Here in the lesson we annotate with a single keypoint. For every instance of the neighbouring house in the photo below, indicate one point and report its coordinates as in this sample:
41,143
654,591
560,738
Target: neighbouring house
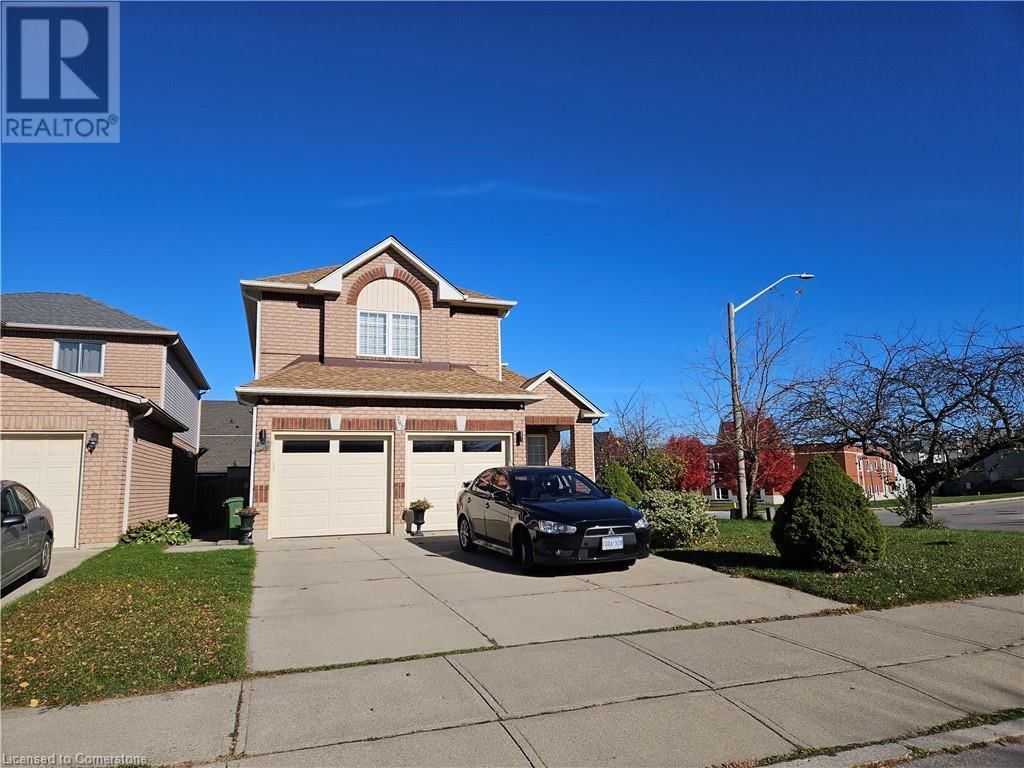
719,491
100,414
225,443
877,476
379,382
1002,471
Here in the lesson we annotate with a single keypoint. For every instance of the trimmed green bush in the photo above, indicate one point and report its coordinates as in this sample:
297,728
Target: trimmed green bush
826,521
158,531
622,486
678,518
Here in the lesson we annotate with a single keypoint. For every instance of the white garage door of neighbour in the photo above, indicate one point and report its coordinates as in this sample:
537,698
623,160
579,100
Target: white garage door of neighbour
50,467
436,468
329,487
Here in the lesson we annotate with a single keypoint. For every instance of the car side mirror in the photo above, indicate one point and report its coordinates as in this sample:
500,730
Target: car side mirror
15,519
607,491
466,484
501,496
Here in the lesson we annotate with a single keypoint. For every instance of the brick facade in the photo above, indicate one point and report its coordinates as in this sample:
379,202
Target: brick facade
131,363
325,326
30,402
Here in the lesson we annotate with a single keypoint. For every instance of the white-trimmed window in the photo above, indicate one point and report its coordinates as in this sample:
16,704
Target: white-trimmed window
721,494
83,358
389,320
537,450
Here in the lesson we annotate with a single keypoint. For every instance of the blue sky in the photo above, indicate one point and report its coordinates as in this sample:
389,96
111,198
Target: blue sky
620,170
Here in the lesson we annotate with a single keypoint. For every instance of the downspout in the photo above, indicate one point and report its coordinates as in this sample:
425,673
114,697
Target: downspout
128,465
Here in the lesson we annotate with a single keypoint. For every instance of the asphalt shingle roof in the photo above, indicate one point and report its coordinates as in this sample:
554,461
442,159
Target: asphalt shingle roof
69,309
226,434
385,378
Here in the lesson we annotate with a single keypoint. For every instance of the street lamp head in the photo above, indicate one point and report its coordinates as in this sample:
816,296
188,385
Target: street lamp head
805,276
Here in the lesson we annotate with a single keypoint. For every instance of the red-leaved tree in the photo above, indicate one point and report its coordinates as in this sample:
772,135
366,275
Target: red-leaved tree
770,466
692,455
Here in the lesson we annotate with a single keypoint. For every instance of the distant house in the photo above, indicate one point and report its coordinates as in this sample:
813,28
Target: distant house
225,449
100,414
877,476
992,475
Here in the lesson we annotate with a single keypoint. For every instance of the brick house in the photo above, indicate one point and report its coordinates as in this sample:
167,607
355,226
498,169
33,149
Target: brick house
99,416
877,476
378,382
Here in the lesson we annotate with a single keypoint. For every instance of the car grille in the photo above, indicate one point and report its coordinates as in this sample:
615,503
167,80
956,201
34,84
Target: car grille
609,530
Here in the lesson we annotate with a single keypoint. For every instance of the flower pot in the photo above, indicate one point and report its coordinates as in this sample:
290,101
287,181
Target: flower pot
418,517
245,527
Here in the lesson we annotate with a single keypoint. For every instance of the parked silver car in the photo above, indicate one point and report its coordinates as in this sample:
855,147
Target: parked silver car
26,546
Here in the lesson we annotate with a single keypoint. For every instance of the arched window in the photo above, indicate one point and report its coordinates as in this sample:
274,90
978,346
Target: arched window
389,320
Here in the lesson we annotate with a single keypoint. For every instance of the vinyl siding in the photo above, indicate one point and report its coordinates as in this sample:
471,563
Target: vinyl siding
181,399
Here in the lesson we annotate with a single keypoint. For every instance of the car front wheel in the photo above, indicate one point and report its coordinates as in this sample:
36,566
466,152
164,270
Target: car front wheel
524,554
466,536
45,556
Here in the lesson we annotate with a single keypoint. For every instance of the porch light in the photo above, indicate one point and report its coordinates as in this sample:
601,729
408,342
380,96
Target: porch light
519,438
92,442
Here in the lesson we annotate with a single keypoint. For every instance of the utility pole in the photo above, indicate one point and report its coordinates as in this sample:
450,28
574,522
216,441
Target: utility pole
737,406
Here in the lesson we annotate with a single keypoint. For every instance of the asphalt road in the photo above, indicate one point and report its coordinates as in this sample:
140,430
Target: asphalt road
995,756
996,515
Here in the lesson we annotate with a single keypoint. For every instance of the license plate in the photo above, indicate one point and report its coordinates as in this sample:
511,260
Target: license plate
611,542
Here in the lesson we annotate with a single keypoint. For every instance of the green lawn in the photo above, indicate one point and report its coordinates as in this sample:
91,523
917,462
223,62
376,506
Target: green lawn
128,621
919,565
881,503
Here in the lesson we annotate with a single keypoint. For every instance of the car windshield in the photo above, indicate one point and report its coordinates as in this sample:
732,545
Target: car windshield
553,486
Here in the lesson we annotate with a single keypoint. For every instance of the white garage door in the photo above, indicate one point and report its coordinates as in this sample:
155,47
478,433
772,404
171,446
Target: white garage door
50,467
437,466
329,486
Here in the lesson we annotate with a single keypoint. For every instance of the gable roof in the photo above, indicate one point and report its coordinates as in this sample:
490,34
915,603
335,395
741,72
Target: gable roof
74,312
94,386
350,378
71,310
226,434
328,279
529,384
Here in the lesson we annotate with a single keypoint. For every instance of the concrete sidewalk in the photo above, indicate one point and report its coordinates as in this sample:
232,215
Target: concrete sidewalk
675,698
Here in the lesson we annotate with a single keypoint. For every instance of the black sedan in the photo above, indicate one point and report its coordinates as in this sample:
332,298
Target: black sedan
549,516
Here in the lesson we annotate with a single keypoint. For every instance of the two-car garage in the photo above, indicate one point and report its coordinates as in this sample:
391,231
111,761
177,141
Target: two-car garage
329,484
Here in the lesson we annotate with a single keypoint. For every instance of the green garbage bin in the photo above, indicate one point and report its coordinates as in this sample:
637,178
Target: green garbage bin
234,522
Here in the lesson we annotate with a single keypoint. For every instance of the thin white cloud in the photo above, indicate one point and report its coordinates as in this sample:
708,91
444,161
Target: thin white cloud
480,189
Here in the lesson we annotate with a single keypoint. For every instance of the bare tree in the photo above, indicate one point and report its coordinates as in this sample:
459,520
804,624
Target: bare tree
642,432
934,407
769,364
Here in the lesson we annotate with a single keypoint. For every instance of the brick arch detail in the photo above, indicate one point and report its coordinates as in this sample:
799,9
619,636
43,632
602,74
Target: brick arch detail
402,275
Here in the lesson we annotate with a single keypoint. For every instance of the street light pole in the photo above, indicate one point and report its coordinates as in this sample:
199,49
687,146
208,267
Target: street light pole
737,407
737,413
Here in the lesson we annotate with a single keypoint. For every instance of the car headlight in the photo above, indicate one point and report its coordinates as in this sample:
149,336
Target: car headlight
641,523
547,526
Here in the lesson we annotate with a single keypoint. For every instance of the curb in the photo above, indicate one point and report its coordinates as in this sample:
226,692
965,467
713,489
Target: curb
905,749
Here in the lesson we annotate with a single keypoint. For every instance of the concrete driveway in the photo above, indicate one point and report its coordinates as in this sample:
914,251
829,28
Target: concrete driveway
331,601
63,561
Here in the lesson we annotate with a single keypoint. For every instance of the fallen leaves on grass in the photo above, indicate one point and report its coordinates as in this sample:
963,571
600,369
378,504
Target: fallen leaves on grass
93,634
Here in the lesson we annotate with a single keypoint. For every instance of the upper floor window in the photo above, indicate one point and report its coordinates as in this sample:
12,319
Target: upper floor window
84,358
389,320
